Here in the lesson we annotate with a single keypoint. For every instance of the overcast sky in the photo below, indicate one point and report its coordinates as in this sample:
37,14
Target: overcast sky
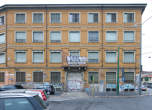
147,26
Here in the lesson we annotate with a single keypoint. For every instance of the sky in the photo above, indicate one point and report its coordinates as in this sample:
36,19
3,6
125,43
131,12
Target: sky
146,26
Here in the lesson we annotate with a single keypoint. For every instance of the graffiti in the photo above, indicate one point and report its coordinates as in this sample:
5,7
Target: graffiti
58,85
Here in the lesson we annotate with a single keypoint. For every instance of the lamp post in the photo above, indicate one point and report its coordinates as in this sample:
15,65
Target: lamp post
118,72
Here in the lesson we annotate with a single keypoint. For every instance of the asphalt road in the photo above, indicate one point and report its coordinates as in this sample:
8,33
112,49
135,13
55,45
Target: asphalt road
117,103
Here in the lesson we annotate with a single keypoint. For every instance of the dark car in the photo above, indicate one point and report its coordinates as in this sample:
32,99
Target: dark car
21,101
8,87
50,89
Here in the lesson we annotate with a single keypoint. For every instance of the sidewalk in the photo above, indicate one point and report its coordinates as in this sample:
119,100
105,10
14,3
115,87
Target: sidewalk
68,96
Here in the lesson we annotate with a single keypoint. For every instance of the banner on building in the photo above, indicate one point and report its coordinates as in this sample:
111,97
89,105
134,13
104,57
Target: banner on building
76,60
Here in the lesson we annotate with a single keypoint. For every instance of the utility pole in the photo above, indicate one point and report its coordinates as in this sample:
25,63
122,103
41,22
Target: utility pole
140,79
118,72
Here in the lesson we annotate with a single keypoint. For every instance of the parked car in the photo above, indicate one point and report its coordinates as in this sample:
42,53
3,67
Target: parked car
42,92
50,89
143,88
21,101
8,87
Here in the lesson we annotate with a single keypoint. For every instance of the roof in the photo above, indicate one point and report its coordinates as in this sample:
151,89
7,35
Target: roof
73,6
8,95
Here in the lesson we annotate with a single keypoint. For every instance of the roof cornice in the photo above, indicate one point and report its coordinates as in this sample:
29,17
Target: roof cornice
75,6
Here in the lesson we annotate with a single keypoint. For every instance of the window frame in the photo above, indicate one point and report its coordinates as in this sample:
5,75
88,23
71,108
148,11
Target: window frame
51,76
106,56
111,72
37,81
98,36
111,13
93,51
69,36
16,34
33,56
133,76
5,37
97,75
60,36
4,20
21,52
4,56
56,52
124,57
112,40
129,31
42,17
127,20
74,22
3,80
19,79
60,18
33,36
16,17
74,51
93,21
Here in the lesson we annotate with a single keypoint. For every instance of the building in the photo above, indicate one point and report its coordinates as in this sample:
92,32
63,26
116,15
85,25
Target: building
147,78
51,42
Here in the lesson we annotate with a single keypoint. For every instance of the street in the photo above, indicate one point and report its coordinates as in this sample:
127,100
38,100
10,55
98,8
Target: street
100,103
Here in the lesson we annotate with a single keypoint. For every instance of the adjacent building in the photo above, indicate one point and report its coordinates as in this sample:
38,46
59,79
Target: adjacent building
74,45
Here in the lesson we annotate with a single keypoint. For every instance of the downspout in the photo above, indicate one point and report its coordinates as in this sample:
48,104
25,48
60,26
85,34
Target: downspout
46,28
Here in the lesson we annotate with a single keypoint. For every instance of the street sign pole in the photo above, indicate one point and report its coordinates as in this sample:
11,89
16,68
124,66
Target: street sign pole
118,72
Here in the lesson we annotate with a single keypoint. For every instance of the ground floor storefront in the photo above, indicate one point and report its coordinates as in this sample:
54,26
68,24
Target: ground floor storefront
71,79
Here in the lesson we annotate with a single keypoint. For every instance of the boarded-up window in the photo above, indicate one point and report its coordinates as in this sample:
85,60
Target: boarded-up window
111,77
2,76
55,77
20,76
37,76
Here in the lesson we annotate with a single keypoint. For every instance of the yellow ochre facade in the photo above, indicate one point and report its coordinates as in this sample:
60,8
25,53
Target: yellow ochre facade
36,40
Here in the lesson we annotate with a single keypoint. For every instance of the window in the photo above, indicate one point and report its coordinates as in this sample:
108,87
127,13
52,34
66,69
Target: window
129,36
74,36
55,18
37,76
111,18
111,57
55,57
111,36
55,77
129,57
111,77
93,57
20,37
55,36
10,104
2,76
74,53
38,57
37,36
20,76
74,18
20,18
129,17
2,58
2,38
129,77
93,36
20,56
2,20
93,77
37,17
92,17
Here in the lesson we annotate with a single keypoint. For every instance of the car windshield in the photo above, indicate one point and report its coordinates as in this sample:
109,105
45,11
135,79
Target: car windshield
17,104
